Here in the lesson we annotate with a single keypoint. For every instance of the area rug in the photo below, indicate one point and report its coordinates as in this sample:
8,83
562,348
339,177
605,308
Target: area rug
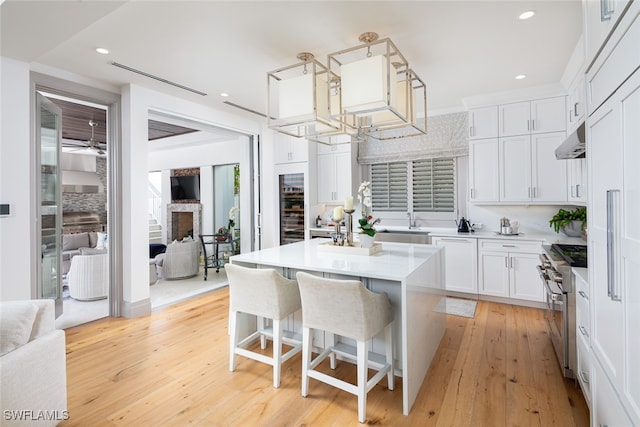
456,307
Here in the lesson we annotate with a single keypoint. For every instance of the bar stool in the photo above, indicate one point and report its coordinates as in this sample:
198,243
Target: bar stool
268,295
348,309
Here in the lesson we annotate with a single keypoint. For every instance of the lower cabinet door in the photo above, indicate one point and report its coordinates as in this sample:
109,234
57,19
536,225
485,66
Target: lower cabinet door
606,408
461,263
493,273
524,283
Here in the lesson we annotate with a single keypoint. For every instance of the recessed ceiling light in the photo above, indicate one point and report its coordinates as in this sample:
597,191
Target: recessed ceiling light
102,50
526,15
521,76
224,95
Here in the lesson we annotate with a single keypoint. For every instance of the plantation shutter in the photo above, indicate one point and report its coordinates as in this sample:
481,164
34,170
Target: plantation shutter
389,187
434,185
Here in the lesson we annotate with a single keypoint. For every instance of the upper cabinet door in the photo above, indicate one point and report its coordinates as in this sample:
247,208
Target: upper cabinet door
515,119
547,115
483,171
483,122
515,169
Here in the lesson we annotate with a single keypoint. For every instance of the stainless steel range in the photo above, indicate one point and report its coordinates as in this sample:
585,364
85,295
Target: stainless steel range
557,279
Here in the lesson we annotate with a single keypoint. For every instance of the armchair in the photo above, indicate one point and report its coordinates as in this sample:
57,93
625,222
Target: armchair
181,260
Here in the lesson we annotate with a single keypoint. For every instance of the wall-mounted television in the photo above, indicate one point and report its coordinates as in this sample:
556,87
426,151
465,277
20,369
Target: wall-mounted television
185,187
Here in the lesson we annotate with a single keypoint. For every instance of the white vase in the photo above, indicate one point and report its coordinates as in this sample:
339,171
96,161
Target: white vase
366,241
573,229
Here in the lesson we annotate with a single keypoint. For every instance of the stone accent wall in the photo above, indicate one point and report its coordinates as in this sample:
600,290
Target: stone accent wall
96,202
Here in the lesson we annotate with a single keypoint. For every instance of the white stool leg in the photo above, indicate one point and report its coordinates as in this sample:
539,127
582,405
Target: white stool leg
362,379
262,325
233,339
331,342
277,352
306,360
388,342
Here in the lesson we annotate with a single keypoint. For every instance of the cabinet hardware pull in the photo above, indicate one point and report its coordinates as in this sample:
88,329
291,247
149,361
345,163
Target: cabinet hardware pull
612,245
606,10
454,240
529,192
533,124
583,295
510,262
585,380
575,109
509,246
506,262
471,193
528,128
578,190
583,331
572,188
470,130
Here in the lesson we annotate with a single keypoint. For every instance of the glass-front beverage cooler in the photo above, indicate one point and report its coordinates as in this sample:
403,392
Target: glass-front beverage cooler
291,195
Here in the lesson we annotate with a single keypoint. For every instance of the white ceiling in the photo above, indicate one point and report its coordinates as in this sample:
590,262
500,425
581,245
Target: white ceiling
459,48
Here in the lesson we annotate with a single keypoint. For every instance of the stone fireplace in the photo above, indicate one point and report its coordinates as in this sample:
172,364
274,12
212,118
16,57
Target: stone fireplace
183,219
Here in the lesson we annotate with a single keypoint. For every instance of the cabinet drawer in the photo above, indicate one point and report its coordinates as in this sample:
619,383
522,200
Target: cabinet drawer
509,246
584,370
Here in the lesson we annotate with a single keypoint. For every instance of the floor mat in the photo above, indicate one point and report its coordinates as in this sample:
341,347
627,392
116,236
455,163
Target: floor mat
456,307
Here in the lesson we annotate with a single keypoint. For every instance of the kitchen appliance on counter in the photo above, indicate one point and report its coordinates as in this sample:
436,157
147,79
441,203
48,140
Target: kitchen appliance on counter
464,226
557,280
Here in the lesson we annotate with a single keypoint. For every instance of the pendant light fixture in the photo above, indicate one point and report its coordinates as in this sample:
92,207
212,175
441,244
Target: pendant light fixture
364,91
301,99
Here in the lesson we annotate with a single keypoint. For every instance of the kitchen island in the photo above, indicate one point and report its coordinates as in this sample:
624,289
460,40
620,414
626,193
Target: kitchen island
412,275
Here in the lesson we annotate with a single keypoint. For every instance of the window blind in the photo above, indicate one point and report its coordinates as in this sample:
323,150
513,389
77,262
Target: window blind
434,185
389,187
420,186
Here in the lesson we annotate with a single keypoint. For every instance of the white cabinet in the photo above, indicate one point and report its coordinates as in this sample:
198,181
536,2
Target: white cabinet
583,333
613,151
334,177
461,263
289,149
577,181
600,18
483,122
606,409
576,103
529,117
529,170
484,178
507,268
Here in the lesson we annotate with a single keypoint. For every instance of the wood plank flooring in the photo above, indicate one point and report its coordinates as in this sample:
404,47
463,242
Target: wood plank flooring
171,369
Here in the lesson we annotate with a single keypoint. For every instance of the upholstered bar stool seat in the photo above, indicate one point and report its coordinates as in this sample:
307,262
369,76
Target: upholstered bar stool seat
348,309
268,295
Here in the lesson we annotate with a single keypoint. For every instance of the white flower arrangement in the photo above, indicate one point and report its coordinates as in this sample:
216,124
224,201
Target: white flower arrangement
232,216
364,196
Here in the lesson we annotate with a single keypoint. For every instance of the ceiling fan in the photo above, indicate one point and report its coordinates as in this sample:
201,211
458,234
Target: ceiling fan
92,145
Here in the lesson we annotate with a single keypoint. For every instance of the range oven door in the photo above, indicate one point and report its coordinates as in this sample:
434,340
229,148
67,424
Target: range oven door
556,315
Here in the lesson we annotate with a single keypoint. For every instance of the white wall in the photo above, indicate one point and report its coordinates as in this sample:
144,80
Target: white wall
136,104
533,219
16,275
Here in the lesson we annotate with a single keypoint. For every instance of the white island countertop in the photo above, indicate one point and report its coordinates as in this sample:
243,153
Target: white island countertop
412,276
396,261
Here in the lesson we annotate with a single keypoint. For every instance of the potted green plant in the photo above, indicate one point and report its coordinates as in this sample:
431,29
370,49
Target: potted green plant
570,222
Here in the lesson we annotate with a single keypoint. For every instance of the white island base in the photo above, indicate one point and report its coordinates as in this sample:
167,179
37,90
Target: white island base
412,275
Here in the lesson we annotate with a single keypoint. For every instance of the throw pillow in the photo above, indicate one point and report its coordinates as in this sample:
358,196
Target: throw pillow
102,240
16,323
75,241
92,251
93,239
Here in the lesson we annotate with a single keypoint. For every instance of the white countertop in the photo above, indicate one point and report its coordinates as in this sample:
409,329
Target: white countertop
546,238
395,262
583,273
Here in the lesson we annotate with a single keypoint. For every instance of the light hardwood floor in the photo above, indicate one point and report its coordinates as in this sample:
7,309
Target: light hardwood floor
171,368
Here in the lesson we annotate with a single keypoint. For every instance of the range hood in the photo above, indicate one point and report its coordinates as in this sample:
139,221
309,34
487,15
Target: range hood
574,146
79,174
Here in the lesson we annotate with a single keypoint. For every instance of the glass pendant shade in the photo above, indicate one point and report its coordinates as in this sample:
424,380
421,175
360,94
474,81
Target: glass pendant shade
301,100
377,88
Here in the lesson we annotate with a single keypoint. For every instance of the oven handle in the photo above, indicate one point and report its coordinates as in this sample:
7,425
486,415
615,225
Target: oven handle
542,273
555,296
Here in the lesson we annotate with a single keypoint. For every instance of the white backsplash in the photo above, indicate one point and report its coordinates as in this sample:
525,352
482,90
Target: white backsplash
533,219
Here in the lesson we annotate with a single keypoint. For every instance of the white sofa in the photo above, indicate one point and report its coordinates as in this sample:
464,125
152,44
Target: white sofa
181,260
33,370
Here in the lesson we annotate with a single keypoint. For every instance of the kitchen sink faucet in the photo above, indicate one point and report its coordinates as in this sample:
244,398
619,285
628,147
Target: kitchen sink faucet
411,223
